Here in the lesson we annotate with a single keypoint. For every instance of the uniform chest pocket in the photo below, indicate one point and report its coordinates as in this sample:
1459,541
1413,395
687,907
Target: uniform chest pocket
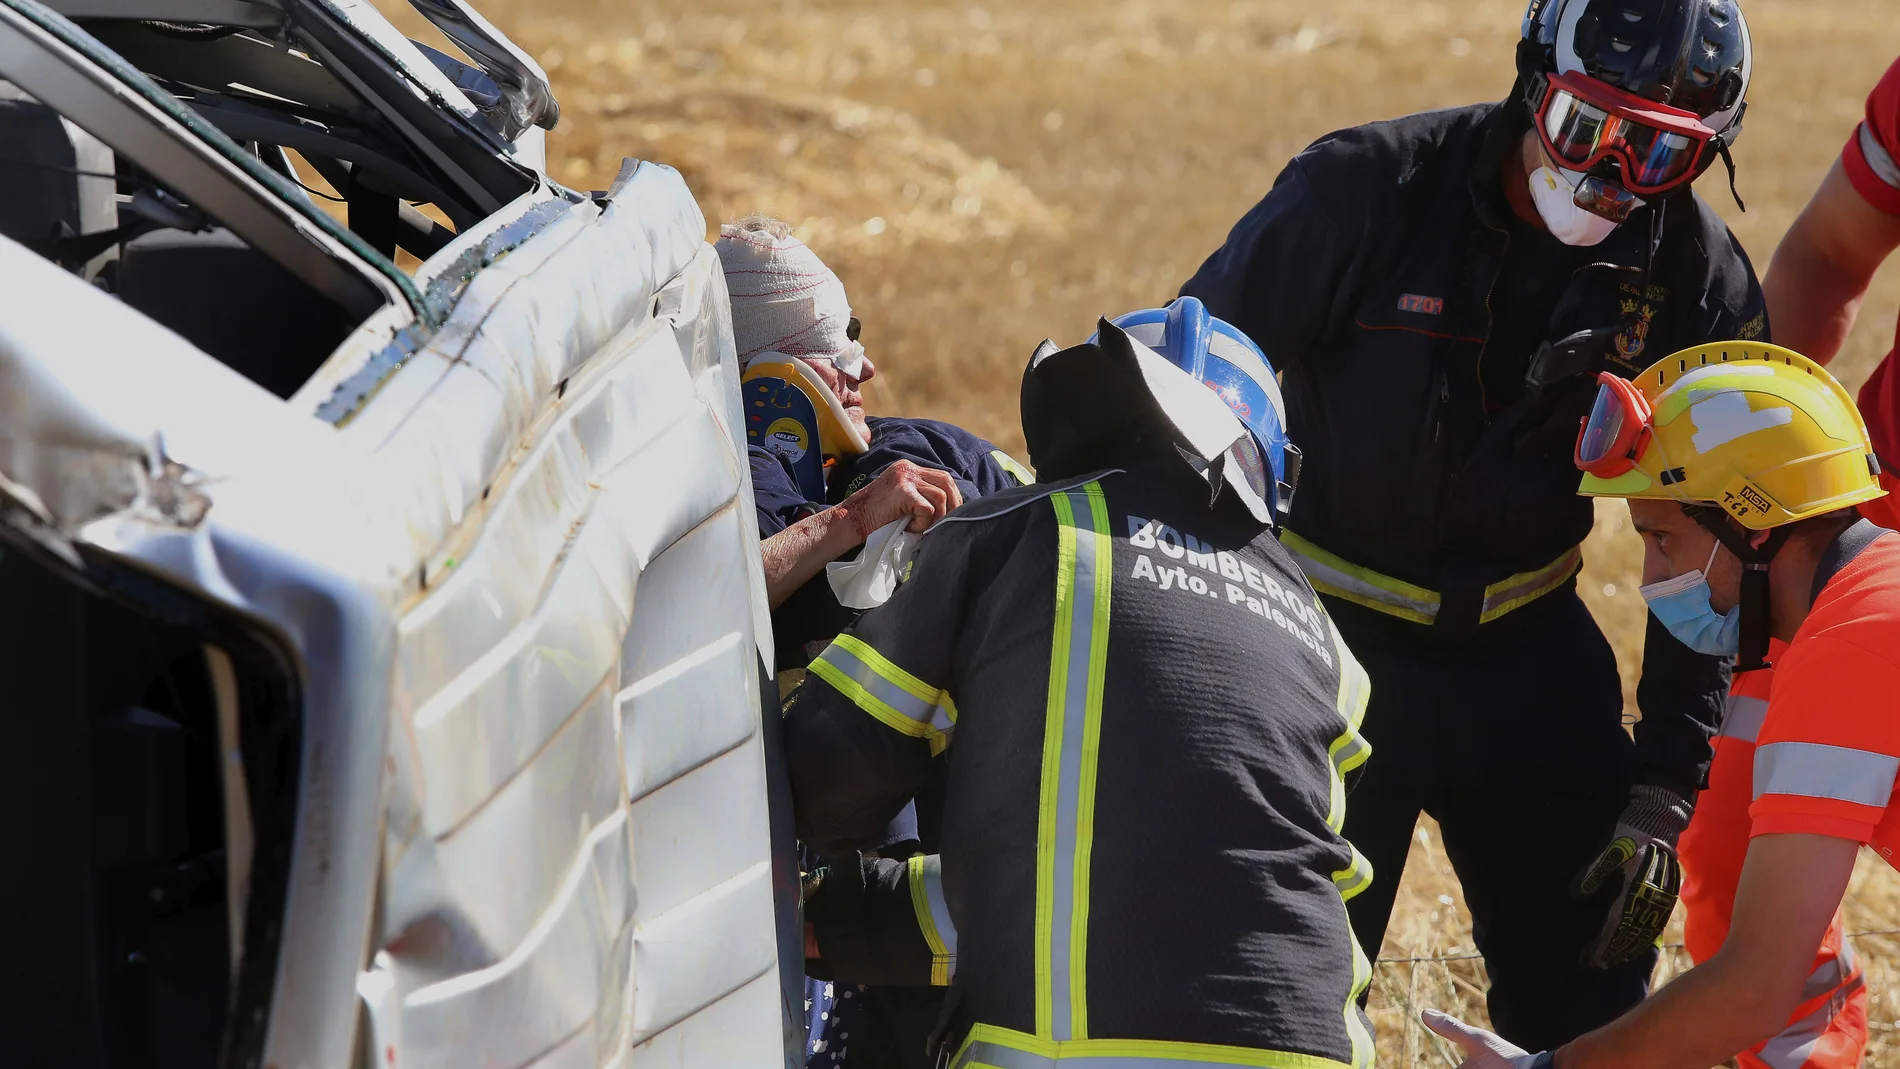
1381,396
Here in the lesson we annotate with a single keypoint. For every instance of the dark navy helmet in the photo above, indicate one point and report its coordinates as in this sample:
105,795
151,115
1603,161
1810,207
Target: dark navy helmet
1226,361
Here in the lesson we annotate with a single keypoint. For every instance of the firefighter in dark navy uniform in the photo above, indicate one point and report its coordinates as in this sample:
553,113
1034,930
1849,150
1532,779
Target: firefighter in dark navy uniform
1439,291
1148,718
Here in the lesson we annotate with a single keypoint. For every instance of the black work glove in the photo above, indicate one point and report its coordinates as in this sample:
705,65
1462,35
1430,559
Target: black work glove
1636,876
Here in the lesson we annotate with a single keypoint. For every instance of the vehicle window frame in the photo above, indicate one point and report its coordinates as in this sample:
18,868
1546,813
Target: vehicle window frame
59,64
469,154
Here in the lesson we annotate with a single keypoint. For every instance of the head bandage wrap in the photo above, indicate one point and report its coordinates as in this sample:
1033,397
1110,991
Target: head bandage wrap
784,299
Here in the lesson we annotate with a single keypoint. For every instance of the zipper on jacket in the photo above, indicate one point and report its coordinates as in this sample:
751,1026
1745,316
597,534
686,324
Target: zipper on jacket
1490,321
1444,402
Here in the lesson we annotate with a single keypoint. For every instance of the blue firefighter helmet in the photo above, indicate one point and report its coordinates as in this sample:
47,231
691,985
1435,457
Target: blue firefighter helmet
1229,363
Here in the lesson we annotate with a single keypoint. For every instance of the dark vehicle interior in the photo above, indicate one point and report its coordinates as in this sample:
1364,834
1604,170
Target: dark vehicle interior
67,196
151,778
276,81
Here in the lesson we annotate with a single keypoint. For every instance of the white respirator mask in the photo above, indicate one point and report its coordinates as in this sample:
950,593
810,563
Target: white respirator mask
1555,194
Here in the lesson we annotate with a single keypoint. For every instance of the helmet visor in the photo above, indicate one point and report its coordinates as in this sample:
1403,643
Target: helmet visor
1614,433
1657,147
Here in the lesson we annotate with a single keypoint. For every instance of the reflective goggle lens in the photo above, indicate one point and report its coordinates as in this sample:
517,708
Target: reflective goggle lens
1604,428
1657,157
1578,132
1573,127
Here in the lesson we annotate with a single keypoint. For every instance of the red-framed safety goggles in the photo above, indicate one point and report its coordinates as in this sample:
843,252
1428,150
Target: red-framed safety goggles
1583,122
1617,429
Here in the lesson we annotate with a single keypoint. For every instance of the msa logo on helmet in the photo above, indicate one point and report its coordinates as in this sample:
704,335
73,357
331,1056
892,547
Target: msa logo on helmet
1744,500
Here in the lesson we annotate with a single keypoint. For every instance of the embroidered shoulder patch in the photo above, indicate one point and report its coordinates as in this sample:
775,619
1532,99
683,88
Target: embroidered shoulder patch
1412,302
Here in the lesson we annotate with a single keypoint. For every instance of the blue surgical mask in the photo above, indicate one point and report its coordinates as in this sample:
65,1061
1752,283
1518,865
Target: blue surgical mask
1682,604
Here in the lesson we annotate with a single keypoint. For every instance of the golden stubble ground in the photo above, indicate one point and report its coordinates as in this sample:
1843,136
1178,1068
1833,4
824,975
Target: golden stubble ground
987,176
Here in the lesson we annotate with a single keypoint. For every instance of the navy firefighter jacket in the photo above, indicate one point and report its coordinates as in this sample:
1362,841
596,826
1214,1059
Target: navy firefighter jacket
1386,276
812,614
1137,694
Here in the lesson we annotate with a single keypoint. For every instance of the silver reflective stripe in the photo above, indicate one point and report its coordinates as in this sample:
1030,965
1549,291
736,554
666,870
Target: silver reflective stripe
999,1056
1792,1048
1878,159
908,705
1829,975
1742,718
1352,753
1325,575
1532,585
1075,716
1814,770
1847,958
931,878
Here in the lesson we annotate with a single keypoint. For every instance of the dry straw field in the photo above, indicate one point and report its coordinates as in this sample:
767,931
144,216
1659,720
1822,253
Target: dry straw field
986,176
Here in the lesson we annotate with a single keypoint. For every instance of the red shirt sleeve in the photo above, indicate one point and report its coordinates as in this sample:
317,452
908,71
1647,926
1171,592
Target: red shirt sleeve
1884,511
1880,408
1876,179
1829,750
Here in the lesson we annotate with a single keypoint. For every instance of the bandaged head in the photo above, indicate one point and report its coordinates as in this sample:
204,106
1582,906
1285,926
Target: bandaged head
784,298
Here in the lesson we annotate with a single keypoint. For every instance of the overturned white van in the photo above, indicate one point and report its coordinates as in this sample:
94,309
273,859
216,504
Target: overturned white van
381,652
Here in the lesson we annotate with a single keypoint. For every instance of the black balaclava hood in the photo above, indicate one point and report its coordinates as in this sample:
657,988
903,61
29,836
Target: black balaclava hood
1113,403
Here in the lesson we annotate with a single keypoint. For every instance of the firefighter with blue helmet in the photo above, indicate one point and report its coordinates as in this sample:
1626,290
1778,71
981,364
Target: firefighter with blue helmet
1229,363
1439,291
1148,719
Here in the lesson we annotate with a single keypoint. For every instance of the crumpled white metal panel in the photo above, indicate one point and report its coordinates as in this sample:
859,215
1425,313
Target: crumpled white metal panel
576,693
532,555
720,1034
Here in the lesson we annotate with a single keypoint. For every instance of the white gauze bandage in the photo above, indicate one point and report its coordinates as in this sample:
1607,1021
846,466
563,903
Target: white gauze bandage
785,300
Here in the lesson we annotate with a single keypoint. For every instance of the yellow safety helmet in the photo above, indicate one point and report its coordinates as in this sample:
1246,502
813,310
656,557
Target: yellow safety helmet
1761,431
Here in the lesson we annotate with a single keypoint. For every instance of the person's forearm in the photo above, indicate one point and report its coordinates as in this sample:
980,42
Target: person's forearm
1813,297
802,550
1704,1018
1812,302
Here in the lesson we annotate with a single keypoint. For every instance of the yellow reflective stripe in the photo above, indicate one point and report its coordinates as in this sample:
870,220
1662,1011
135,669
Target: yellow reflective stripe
1052,762
1350,749
1523,588
1363,1051
1014,468
1091,755
886,691
1355,877
1071,742
1339,577
884,667
933,917
1348,752
1003,1048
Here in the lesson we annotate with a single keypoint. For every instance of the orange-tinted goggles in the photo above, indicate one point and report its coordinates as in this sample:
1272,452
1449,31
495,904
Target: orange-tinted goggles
1617,429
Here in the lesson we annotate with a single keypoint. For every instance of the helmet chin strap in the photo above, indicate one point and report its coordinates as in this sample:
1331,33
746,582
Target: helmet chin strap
1721,146
1755,609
